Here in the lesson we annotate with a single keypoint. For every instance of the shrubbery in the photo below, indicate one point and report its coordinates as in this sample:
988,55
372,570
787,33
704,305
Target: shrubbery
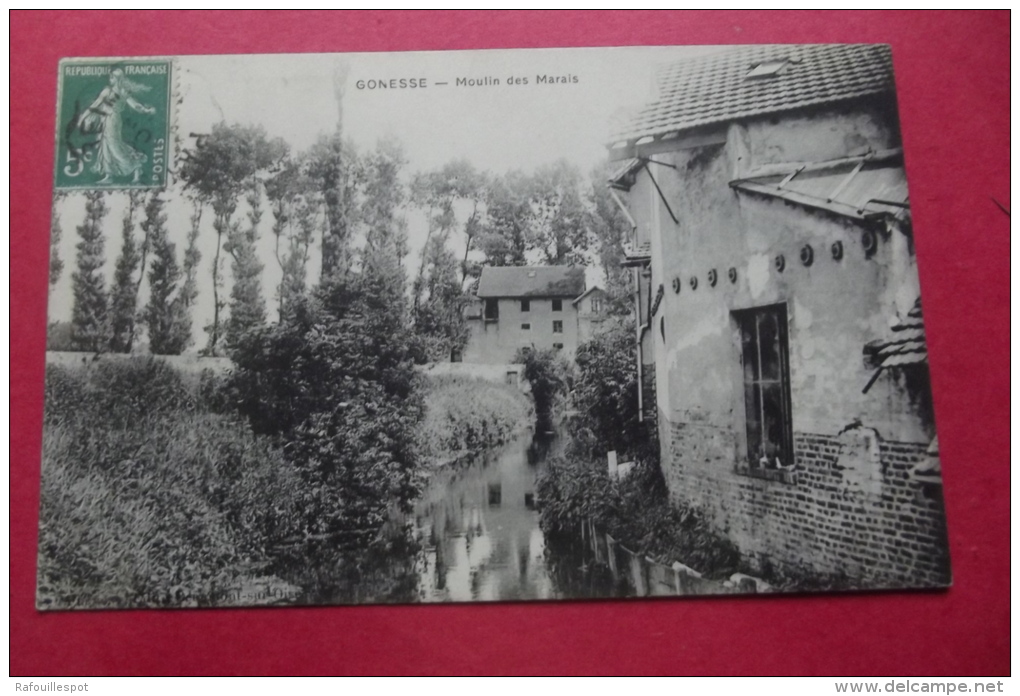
606,396
549,375
147,500
466,415
335,383
577,488
636,510
115,393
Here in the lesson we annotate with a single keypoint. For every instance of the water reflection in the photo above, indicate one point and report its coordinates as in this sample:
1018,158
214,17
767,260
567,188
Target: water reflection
480,528
475,535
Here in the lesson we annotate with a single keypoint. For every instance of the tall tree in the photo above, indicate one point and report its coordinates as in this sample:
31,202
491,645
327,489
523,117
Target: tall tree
609,227
220,169
294,204
192,257
384,226
430,192
438,316
124,298
334,167
56,233
507,234
337,173
247,305
440,193
89,315
165,316
560,220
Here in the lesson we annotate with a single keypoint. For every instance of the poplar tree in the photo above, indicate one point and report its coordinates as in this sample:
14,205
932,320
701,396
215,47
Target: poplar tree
124,299
220,169
89,315
169,333
56,232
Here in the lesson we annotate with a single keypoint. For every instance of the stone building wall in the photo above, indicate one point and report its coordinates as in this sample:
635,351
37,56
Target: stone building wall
837,515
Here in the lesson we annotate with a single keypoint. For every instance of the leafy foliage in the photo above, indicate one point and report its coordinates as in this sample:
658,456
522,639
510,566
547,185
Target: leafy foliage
90,320
467,415
609,228
438,315
549,376
337,173
148,501
507,234
335,378
165,315
56,232
247,305
294,205
222,167
124,301
637,511
606,395
561,224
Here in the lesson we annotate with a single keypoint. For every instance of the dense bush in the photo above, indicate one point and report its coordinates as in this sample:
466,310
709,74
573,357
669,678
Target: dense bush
335,383
549,375
605,396
465,414
171,507
115,393
636,510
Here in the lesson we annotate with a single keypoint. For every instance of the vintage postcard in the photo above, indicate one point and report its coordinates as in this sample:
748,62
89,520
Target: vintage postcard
488,325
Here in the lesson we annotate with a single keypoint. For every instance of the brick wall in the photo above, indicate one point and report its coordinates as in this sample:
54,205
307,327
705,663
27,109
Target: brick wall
824,519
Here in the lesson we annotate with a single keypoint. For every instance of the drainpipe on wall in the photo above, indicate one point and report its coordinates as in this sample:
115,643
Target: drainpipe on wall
640,340
640,357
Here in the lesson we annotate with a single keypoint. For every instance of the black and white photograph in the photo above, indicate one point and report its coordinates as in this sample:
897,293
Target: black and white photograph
495,325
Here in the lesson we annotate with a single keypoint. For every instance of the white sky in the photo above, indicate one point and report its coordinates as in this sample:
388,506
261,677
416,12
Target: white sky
496,127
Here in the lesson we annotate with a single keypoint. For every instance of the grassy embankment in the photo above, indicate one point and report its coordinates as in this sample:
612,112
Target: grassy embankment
465,415
155,494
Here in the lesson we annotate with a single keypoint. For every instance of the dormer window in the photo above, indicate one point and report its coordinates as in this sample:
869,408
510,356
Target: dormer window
768,68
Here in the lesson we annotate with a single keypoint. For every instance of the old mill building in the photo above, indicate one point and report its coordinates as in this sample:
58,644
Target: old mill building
539,307
781,335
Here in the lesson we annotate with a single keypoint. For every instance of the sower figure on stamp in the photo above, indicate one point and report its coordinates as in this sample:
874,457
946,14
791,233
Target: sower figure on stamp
114,156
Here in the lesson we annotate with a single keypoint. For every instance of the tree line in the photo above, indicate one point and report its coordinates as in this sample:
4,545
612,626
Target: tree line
353,204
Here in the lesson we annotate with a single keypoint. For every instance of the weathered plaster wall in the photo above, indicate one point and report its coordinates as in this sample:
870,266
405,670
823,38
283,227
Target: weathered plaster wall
498,341
813,136
841,513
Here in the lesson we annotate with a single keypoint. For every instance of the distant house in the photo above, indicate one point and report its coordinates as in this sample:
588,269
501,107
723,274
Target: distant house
591,312
526,307
781,337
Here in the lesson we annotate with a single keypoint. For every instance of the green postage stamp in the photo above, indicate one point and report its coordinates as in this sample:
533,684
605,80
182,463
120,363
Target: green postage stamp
113,124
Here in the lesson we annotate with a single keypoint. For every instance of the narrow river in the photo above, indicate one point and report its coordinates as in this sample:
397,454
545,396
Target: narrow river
481,538
475,535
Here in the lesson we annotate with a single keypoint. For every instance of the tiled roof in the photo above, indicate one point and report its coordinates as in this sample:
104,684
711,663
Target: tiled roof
531,281
589,291
906,346
718,87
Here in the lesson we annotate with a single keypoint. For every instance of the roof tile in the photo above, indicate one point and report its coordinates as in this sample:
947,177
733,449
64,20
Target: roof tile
531,281
715,88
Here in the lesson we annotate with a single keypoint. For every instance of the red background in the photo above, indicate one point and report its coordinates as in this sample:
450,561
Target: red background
952,73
